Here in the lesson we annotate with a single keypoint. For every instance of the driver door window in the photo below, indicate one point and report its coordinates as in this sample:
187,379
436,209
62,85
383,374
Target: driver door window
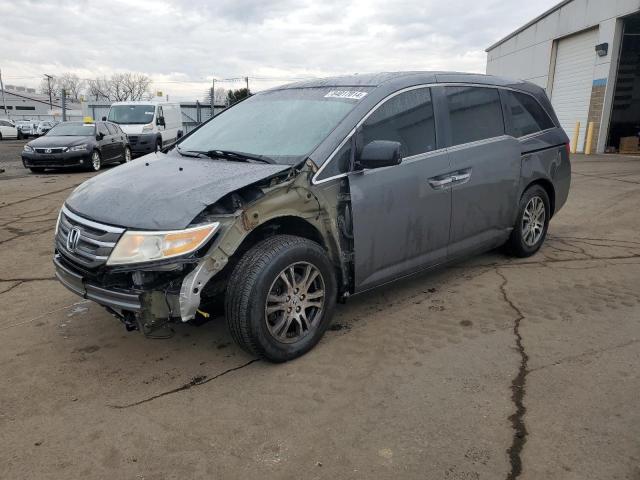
406,118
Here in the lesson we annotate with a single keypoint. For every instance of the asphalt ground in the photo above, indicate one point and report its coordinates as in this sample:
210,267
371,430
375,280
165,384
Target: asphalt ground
491,368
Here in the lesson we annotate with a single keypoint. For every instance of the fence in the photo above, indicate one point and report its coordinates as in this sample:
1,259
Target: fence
193,113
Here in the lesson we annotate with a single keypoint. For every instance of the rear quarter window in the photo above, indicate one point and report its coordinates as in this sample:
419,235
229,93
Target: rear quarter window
475,114
527,116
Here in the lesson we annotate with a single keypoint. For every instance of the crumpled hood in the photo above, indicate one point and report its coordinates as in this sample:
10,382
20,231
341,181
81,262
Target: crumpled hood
162,192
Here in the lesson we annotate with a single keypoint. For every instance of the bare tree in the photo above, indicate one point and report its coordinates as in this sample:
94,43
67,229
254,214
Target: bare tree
99,88
72,85
219,96
120,87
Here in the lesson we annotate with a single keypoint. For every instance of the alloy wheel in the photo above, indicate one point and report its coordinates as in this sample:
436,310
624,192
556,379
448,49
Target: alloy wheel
295,302
533,221
95,161
127,155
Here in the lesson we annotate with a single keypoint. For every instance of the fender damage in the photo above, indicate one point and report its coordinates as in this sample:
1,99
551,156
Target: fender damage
260,209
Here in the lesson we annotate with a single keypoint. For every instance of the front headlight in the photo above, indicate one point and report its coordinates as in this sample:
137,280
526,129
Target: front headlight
28,148
147,128
137,247
78,148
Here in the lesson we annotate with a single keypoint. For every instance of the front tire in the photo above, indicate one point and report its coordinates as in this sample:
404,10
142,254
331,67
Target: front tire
532,223
96,162
280,298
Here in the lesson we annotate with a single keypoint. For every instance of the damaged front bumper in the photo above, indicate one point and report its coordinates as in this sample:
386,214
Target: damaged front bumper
114,299
171,296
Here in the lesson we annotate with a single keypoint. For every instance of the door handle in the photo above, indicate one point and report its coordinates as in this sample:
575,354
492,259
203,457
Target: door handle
460,177
440,182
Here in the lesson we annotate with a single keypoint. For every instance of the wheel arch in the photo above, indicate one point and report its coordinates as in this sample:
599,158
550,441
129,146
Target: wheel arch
547,185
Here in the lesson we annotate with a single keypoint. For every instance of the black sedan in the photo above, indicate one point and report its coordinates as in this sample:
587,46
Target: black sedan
77,144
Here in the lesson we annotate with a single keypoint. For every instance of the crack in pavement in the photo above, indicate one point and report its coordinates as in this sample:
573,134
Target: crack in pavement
518,385
605,178
26,234
195,382
27,280
37,196
22,281
17,284
588,353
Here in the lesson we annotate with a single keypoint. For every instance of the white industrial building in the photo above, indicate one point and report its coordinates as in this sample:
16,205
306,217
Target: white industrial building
586,53
24,104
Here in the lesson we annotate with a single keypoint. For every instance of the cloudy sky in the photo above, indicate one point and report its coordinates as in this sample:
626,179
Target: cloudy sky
181,44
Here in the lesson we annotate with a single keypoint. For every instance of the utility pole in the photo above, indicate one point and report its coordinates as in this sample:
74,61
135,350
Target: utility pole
64,105
246,79
4,100
49,77
213,93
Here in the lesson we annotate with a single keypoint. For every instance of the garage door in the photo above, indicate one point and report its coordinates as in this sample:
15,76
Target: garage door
572,81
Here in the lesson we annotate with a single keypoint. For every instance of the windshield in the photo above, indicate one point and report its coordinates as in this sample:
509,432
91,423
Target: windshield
132,114
73,130
284,125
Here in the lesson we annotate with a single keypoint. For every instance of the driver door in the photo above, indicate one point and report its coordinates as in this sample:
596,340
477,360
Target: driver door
401,214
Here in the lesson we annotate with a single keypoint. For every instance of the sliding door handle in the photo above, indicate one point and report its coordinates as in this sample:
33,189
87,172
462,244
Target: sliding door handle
440,182
460,177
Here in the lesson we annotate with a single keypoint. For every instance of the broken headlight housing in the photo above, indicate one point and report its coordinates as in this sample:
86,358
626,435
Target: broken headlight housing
148,246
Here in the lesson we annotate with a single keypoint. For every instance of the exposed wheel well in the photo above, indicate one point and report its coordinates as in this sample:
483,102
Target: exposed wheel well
281,225
288,225
551,192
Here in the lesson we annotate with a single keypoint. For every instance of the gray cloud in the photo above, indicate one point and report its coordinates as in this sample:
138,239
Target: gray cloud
182,41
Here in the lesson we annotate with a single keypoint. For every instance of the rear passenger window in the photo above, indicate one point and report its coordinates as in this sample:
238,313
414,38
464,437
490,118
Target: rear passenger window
475,113
527,116
406,118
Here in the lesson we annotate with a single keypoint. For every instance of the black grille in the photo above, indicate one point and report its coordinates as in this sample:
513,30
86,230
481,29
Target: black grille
50,150
133,139
95,241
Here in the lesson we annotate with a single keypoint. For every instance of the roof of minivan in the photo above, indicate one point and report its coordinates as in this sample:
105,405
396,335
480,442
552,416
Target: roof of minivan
408,78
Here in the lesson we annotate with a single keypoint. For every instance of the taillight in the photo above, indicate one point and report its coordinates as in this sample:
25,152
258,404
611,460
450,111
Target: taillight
568,147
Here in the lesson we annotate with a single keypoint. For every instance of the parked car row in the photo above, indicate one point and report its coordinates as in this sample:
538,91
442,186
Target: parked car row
130,128
24,128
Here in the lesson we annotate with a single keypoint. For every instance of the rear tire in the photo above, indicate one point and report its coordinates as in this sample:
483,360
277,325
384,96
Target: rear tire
260,294
127,155
531,226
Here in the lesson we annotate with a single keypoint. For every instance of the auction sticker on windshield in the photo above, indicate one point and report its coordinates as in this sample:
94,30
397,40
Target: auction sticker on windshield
350,94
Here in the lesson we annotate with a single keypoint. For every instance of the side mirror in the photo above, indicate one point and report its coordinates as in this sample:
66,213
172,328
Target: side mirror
99,136
104,119
380,153
160,121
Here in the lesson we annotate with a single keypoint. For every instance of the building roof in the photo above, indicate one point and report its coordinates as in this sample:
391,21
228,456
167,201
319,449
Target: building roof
527,25
44,99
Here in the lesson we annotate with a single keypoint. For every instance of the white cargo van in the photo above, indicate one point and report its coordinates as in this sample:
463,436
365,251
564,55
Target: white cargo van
149,125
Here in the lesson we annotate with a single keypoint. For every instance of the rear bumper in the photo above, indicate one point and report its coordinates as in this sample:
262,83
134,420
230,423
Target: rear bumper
114,299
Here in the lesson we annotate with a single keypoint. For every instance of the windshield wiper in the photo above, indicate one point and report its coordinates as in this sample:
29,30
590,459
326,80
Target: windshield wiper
229,155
